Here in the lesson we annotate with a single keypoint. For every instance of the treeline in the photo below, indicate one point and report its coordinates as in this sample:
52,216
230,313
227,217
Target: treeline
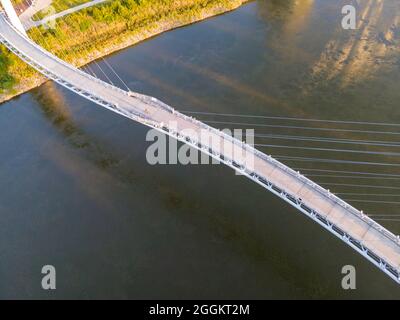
92,32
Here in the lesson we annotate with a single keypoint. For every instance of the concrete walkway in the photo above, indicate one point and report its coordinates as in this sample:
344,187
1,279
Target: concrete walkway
37,5
353,227
29,23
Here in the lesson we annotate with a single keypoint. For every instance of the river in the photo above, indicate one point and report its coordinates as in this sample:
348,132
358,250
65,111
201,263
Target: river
77,193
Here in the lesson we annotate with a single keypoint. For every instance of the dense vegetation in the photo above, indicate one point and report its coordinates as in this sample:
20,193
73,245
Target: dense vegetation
6,60
95,31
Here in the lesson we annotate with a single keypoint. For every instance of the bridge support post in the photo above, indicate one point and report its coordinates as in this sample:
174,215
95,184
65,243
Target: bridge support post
12,15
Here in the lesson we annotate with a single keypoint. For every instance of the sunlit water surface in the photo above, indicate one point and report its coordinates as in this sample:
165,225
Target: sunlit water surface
76,191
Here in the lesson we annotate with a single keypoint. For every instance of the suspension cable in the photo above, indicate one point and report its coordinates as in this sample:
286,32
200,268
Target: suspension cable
112,69
384,219
322,160
329,140
116,74
356,185
330,150
102,71
367,194
349,172
372,201
349,177
89,68
291,118
384,215
29,3
300,127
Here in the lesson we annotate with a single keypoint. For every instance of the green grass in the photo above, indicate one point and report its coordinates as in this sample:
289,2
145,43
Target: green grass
6,60
94,30
58,6
13,71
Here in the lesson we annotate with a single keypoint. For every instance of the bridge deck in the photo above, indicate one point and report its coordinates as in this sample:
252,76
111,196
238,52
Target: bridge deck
359,231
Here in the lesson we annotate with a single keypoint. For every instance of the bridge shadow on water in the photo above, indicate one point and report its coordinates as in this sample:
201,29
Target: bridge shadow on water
219,216
237,224
200,231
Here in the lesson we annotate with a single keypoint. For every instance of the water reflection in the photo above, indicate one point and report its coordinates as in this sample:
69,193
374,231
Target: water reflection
352,57
120,226
290,19
53,105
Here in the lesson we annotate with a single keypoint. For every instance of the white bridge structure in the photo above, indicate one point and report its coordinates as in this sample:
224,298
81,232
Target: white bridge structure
364,235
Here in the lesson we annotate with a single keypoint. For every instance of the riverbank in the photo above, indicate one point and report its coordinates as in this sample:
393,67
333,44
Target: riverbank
98,31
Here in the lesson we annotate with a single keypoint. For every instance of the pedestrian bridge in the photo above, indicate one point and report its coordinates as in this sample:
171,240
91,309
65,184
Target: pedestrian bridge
364,235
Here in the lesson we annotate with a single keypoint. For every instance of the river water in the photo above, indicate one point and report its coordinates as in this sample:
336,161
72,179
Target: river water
77,193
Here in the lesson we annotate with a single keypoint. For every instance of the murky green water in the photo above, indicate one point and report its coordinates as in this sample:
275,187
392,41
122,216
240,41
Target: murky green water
76,191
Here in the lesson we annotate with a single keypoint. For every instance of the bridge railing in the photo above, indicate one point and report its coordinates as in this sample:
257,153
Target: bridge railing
233,140
143,118
365,250
65,64
281,166
64,82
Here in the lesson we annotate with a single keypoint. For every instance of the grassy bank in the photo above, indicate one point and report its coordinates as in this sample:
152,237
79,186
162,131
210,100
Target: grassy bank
58,6
97,31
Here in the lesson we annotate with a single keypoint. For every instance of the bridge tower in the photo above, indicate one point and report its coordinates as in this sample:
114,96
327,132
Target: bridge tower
12,15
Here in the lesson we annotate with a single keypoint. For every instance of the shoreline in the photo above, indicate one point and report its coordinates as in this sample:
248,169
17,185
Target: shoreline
126,41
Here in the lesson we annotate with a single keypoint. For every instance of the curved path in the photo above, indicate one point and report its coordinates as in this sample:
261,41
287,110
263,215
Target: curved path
363,234
36,6
29,23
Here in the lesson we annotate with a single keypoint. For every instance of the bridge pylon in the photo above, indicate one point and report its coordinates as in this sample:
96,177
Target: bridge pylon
12,15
